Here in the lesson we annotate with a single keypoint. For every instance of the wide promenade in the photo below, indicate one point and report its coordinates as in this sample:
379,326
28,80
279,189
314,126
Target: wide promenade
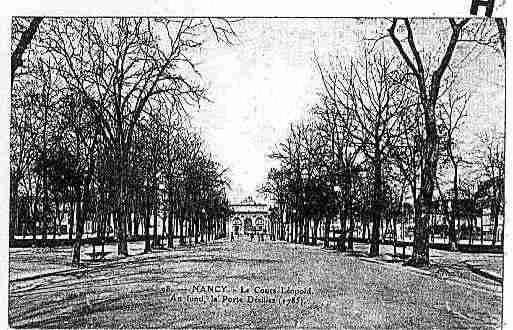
245,284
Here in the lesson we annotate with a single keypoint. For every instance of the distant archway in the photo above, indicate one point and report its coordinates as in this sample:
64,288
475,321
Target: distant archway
248,225
259,224
236,225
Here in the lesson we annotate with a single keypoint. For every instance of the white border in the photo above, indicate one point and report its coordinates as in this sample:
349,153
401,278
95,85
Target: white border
318,8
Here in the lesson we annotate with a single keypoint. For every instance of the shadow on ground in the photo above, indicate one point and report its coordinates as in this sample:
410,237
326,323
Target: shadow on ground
141,291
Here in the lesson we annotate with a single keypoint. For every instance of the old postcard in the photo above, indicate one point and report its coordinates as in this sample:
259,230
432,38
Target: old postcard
231,168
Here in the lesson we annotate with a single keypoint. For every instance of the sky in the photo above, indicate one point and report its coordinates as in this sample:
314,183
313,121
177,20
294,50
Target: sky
268,80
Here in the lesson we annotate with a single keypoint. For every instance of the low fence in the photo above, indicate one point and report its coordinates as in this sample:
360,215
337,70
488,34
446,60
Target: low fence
334,235
470,248
50,242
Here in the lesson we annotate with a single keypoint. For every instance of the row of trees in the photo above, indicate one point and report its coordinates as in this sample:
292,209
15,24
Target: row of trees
100,131
387,127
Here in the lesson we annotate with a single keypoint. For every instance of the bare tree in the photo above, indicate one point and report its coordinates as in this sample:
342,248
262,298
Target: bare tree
23,43
451,114
428,85
344,153
491,158
123,66
407,152
372,90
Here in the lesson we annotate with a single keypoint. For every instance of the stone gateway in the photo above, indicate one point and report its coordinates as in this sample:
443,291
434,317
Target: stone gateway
249,217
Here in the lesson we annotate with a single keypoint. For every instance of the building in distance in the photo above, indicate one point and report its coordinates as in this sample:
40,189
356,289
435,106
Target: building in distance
249,217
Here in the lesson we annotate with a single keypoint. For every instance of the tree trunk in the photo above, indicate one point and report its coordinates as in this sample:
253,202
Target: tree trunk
35,212
420,255
296,229
182,240
57,216
376,207
453,241
14,211
306,231
195,228
80,216
71,216
190,227
350,237
349,202
395,235
170,229
327,224
300,226
282,226
122,238
137,220
147,243
201,227
314,234
121,219
495,216
155,220
26,38
341,242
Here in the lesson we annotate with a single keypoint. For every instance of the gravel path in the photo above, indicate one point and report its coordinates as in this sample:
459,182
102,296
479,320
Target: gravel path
249,284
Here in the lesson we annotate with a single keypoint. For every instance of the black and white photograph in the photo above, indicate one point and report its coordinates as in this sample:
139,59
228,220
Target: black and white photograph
256,172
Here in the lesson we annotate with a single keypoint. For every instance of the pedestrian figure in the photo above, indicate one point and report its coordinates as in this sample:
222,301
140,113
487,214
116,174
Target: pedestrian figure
231,237
251,236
